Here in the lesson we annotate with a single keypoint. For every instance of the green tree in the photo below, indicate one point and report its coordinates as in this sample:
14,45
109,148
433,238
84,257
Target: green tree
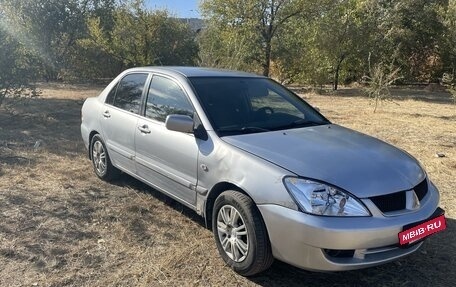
327,45
340,35
259,21
16,63
222,48
142,37
348,31
88,61
48,28
449,39
414,29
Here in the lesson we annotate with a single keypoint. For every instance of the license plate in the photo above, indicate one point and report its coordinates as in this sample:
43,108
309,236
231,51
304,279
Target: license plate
422,230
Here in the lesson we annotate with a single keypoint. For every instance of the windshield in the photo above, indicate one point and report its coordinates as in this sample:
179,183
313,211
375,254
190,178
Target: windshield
252,105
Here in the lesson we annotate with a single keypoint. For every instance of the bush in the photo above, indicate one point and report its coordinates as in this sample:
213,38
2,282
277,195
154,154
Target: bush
379,80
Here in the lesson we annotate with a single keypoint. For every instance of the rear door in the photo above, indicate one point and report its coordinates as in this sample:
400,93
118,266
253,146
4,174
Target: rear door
166,159
119,118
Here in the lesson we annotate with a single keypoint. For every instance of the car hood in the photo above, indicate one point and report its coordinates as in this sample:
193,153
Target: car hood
357,163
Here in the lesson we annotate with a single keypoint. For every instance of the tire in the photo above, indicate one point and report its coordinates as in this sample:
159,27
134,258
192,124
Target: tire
247,249
100,160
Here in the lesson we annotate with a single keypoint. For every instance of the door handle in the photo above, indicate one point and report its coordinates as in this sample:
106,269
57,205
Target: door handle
106,114
144,129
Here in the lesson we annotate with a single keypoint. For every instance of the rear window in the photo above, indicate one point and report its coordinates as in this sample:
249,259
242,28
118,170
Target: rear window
111,95
129,92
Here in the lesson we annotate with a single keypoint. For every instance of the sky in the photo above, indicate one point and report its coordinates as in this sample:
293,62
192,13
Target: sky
180,8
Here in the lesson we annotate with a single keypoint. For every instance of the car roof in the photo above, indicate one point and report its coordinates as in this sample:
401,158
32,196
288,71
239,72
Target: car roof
191,72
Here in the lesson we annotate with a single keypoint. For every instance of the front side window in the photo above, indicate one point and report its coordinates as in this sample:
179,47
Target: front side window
237,105
166,97
129,92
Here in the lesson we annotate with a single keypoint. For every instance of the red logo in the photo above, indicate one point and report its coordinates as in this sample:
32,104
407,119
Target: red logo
422,230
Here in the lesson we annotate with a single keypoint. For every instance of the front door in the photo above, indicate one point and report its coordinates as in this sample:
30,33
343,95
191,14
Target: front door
166,159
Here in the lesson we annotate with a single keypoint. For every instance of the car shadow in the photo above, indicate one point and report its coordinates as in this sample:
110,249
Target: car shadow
125,180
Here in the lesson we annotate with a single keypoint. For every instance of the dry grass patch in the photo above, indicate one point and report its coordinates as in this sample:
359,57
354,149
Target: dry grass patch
61,226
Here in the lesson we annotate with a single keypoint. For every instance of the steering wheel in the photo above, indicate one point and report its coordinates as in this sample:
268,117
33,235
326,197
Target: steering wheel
265,111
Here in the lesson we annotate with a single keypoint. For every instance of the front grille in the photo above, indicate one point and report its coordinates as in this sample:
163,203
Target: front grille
421,189
396,201
390,202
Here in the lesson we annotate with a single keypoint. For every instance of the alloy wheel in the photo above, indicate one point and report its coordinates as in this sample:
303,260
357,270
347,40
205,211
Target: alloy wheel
99,157
232,233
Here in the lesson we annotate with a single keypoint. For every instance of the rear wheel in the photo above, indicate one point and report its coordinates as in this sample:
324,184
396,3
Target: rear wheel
100,159
240,233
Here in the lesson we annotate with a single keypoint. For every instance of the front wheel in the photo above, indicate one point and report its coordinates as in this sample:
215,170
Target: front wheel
240,234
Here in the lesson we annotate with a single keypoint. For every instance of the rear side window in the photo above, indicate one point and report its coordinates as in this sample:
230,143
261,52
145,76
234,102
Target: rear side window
129,92
166,97
111,95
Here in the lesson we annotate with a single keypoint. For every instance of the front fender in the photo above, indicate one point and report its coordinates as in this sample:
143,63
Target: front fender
219,161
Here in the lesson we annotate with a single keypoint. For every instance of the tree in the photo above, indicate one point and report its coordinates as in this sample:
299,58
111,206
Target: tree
307,41
339,34
16,64
222,48
348,31
142,37
449,40
48,28
260,20
413,28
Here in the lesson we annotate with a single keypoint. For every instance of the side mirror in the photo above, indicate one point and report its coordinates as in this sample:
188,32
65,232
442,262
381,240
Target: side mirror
179,123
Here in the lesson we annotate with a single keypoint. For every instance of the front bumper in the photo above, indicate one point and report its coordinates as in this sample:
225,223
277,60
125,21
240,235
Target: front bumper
303,240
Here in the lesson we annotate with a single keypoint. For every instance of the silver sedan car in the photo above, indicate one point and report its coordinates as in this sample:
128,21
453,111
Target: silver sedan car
272,177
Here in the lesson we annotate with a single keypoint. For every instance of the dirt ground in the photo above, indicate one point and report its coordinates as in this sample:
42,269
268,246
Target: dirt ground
61,226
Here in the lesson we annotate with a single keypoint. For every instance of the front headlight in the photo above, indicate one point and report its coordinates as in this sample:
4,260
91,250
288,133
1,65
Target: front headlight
321,199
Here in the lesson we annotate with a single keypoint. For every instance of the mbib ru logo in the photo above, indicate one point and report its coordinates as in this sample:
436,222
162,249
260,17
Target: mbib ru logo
422,230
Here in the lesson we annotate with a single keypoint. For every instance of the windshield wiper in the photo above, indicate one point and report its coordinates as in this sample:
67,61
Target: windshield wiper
243,130
299,124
